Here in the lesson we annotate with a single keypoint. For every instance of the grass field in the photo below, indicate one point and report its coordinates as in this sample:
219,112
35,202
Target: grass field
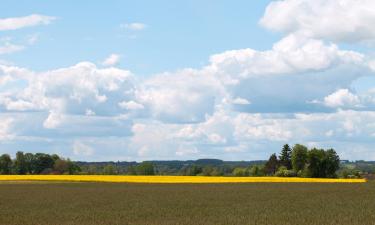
42,203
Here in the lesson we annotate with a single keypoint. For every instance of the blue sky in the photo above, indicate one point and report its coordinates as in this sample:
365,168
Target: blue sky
177,34
126,80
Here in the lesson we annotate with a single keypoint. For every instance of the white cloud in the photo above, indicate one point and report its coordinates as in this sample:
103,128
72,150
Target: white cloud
112,60
26,21
53,120
10,48
342,97
69,90
185,96
241,101
244,104
131,105
293,54
337,20
134,26
82,149
5,128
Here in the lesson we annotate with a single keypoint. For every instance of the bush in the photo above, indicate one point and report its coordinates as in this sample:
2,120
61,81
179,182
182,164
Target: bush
284,172
240,172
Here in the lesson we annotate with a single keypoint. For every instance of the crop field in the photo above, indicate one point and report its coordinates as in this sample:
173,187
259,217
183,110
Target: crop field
51,202
173,179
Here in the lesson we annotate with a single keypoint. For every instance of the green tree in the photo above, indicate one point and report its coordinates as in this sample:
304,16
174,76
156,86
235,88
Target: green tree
285,157
61,166
73,168
109,170
42,162
5,164
315,166
192,170
145,168
29,160
255,171
331,162
207,171
299,157
271,165
20,165
240,172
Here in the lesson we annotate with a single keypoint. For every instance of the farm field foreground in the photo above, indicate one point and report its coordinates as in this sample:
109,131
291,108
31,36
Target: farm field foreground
172,179
32,202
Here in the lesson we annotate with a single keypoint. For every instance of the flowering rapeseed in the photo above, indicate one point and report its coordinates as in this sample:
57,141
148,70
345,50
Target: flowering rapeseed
172,179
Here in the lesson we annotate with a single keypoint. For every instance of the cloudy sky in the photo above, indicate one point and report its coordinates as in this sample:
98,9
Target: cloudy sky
139,80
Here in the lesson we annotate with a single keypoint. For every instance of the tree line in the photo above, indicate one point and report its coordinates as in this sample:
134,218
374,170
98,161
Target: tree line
303,162
298,161
38,163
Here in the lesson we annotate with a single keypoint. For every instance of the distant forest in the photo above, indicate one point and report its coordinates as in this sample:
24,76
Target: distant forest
298,161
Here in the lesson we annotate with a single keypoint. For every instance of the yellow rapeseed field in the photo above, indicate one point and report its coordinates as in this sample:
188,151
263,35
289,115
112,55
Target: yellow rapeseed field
172,179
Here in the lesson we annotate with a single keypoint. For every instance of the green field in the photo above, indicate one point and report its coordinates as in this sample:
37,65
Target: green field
123,203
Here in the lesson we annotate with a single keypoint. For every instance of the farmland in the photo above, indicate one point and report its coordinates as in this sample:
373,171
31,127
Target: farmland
173,179
26,202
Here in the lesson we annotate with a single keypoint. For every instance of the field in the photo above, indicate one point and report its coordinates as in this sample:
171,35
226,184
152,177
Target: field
172,179
25,202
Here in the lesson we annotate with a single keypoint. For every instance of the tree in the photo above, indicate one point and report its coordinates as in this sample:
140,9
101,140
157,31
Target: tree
29,161
207,170
73,168
5,164
332,163
299,157
145,168
271,165
315,166
255,171
240,172
192,170
20,165
42,162
61,166
285,157
109,170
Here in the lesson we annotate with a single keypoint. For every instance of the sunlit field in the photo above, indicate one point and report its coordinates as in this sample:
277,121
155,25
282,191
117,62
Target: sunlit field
91,203
172,179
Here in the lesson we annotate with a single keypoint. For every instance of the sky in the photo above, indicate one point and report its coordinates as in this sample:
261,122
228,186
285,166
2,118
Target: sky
141,80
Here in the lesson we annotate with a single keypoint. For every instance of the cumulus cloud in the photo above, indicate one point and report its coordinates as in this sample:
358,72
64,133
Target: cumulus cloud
26,21
344,20
112,60
5,128
340,98
185,96
243,103
130,105
69,90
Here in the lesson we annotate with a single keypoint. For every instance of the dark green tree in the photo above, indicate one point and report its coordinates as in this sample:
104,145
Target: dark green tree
42,162
255,171
20,165
271,165
73,168
315,165
109,170
145,168
5,164
331,162
192,170
299,157
29,160
285,157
